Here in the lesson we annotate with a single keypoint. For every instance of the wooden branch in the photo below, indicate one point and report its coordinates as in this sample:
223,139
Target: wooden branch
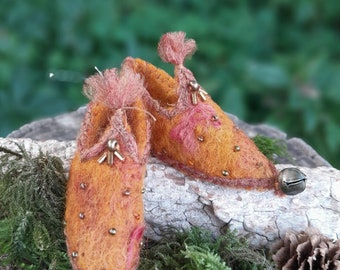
172,199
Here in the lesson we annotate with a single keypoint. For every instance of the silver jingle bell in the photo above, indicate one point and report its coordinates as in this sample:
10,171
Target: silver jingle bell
292,181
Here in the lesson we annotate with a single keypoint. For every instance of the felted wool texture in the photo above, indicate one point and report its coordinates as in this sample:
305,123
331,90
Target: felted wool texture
101,197
105,207
94,125
111,94
113,88
174,47
201,140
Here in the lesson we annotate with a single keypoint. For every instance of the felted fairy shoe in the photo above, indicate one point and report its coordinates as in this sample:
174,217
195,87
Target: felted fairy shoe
192,132
104,205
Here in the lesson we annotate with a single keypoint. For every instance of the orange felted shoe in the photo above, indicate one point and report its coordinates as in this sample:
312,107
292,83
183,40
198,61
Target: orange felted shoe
104,204
192,132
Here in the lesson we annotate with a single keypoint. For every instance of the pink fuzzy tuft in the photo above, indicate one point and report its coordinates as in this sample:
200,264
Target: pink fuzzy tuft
174,48
115,90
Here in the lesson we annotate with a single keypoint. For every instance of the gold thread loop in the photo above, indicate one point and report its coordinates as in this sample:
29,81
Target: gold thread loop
142,110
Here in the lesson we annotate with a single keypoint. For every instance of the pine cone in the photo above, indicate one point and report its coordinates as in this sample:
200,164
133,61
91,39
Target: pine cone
306,250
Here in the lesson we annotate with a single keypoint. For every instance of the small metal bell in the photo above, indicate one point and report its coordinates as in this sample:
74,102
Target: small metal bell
292,181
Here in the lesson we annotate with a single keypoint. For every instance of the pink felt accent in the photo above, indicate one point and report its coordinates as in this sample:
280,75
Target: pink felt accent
128,141
174,48
115,90
134,246
183,77
184,132
82,140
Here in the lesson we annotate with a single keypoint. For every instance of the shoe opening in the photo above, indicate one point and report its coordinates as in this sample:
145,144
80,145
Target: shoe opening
160,85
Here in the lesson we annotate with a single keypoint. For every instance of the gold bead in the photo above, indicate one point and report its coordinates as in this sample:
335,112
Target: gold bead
202,94
214,118
119,155
109,158
203,91
225,173
237,148
194,85
112,145
194,98
102,158
112,231
200,138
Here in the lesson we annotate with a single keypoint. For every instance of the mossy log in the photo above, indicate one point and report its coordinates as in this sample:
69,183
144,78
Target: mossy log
175,200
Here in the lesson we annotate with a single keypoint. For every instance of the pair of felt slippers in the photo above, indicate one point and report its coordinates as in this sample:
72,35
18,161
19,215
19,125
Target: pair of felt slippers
139,110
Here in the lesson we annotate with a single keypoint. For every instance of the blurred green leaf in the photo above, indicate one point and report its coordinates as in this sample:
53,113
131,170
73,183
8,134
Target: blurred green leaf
310,119
266,61
233,102
332,137
263,75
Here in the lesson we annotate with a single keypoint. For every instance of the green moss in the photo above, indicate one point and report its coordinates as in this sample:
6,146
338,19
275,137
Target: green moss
32,205
32,208
271,148
198,249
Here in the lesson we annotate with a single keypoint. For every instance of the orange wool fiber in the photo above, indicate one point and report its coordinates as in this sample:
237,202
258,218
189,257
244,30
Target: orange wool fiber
199,139
104,202
104,207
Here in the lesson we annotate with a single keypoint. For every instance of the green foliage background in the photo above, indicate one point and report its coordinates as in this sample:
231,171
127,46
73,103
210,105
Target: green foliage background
266,61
